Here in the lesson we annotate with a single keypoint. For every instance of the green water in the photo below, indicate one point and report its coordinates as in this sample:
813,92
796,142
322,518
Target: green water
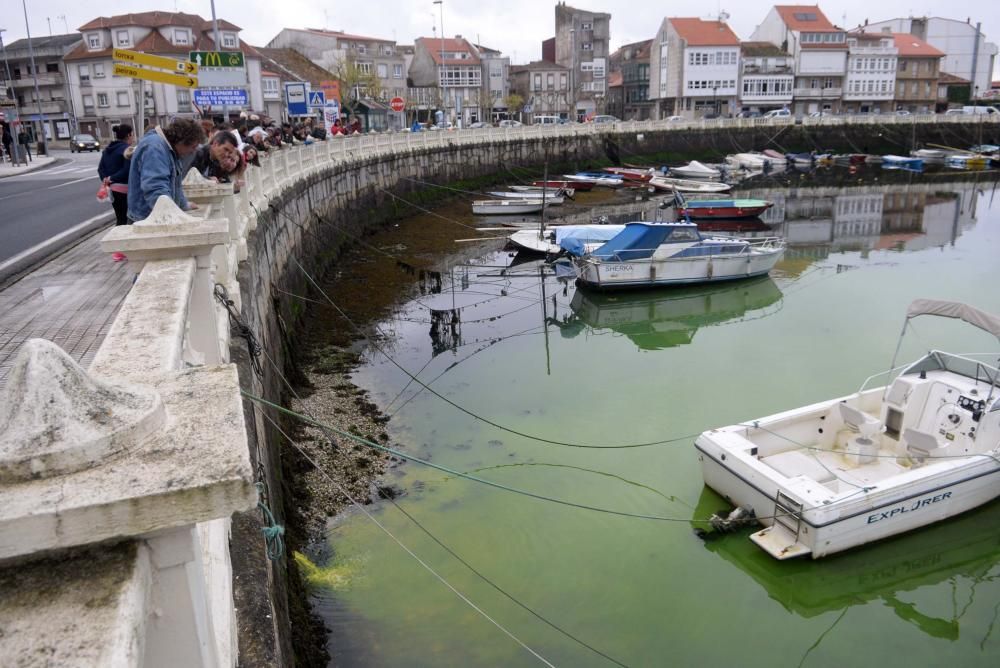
644,367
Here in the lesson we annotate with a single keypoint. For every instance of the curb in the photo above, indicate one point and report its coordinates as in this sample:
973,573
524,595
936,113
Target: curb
34,256
32,167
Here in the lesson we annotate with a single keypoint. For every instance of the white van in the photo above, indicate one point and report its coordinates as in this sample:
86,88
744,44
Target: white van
547,120
980,110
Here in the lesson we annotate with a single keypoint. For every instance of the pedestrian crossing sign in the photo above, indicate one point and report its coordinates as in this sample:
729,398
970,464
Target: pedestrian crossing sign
317,98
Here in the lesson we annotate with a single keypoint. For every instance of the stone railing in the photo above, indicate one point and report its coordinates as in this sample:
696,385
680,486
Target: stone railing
118,482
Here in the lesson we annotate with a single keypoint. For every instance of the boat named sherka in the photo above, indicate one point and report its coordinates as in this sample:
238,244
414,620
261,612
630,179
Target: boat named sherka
848,471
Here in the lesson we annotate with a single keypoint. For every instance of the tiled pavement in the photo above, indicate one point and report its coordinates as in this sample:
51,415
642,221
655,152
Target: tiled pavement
70,300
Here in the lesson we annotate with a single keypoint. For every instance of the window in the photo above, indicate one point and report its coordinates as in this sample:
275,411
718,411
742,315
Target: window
229,40
270,87
149,97
361,49
902,66
550,81
52,67
84,71
537,83
365,68
180,36
386,50
397,71
102,100
383,71
562,81
94,40
88,101
587,46
122,98
586,26
98,70
183,99
122,38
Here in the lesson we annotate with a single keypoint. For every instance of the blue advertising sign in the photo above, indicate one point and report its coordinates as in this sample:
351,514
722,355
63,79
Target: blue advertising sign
218,97
317,98
295,99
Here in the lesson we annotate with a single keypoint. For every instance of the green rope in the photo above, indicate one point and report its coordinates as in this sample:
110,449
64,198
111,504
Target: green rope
274,533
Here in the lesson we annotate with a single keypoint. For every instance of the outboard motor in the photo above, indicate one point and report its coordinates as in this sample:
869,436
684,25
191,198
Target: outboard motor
723,522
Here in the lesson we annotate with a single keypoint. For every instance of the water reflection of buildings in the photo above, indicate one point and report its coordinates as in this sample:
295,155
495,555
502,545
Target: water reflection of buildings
822,220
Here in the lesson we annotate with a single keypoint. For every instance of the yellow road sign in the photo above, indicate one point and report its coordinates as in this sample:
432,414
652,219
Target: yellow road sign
136,58
182,80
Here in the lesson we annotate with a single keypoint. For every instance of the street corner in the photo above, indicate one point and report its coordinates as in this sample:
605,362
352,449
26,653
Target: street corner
37,162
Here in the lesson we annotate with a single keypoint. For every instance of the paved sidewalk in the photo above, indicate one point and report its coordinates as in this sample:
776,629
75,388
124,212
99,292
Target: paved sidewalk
37,162
70,300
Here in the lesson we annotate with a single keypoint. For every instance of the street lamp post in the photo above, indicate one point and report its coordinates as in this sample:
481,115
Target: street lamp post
572,75
440,4
715,101
17,111
34,75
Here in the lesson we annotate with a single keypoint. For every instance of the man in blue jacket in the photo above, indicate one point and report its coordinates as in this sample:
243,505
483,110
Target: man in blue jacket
156,166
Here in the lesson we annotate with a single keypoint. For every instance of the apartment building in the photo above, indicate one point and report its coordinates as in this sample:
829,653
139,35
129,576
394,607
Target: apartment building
767,77
496,83
103,100
331,49
629,74
870,84
544,87
455,68
917,73
967,54
694,68
820,52
56,120
582,46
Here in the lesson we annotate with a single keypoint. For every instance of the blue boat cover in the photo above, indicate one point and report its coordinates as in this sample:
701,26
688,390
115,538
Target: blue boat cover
636,241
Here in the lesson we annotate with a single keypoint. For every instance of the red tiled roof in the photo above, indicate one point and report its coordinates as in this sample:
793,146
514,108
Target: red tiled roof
697,32
805,18
156,20
154,42
908,45
434,48
951,79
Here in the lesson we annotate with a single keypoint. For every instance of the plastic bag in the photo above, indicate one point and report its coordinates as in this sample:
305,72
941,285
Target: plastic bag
103,193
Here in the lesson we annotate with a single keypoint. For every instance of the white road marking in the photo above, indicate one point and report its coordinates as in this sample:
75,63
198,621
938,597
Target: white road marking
69,183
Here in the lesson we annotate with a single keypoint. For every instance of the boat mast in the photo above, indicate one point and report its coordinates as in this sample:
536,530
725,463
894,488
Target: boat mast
545,189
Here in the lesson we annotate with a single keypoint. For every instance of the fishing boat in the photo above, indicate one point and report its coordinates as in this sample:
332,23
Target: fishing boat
845,472
967,161
729,209
695,170
579,186
646,255
536,191
554,200
596,178
903,162
548,240
504,207
669,184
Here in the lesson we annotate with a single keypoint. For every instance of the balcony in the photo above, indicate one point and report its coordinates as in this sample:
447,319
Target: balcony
824,93
774,69
44,79
873,50
48,107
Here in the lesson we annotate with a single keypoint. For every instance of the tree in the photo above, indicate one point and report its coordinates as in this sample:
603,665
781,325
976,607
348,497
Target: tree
515,103
356,83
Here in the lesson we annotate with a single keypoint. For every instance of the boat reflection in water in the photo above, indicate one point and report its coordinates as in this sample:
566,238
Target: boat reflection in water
665,318
961,553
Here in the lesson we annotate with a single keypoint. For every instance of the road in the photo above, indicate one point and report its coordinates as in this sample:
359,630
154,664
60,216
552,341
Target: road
39,205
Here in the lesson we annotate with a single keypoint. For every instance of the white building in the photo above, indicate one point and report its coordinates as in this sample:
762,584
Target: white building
820,51
103,100
767,77
870,84
694,68
967,54
582,45
455,68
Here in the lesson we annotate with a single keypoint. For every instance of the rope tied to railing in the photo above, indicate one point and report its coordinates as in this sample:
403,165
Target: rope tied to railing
242,330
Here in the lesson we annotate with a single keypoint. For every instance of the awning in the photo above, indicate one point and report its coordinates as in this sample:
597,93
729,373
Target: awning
970,314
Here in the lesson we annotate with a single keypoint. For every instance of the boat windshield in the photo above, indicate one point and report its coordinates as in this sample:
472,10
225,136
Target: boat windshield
963,366
639,240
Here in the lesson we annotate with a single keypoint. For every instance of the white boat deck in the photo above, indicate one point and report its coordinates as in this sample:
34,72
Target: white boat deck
834,470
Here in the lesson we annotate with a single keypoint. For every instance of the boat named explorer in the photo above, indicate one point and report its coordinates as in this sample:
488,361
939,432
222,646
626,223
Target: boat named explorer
853,470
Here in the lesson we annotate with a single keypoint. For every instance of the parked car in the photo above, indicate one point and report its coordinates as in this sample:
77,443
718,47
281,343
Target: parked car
675,119
604,118
820,114
778,113
902,112
79,143
509,123
748,114
547,120
477,125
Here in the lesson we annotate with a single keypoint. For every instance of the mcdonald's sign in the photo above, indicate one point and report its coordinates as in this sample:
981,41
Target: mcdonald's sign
217,59
220,69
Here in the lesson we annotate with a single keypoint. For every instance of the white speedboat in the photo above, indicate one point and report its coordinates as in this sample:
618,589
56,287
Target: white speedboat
554,200
749,161
668,184
852,470
548,241
931,156
536,191
646,255
695,170
502,207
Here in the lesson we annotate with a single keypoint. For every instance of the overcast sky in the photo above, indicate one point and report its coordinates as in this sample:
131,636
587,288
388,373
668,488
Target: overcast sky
517,27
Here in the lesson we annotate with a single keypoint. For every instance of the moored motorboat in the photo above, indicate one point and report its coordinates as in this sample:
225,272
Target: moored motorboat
729,209
967,161
750,161
631,173
668,184
596,178
931,156
695,170
536,191
646,255
903,162
554,200
500,207
580,186
845,472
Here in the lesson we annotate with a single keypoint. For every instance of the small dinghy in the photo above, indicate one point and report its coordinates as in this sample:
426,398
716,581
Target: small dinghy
902,162
554,200
667,184
505,207
596,178
536,191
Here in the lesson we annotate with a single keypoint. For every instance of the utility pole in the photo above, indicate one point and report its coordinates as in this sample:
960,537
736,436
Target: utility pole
215,30
440,4
17,111
34,75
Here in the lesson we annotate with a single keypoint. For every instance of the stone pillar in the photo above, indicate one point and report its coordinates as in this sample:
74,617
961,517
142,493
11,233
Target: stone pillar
219,202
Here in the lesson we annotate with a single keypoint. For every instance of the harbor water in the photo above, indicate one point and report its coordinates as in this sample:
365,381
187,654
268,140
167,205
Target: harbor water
554,516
